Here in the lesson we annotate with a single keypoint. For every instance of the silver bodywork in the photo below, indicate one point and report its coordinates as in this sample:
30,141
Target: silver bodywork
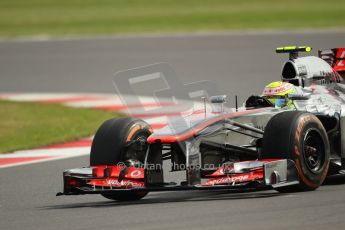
321,91
231,140
324,89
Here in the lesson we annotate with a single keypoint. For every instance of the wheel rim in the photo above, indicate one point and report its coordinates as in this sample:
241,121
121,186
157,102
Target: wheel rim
314,150
136,154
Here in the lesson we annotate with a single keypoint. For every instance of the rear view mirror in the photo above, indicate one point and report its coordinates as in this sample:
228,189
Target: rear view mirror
320,77
304,96
218,99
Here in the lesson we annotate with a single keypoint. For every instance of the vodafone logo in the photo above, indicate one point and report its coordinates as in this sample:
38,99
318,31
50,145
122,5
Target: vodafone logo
136,173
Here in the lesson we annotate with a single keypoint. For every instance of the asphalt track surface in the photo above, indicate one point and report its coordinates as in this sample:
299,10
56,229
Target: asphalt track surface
239,64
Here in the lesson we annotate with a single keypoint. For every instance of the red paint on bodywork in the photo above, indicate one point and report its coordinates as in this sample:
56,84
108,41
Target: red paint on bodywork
339,64
114,171
193,131
113,182
237,178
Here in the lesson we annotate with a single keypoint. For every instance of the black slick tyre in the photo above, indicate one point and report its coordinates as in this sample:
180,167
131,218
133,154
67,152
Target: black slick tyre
301,137
110,147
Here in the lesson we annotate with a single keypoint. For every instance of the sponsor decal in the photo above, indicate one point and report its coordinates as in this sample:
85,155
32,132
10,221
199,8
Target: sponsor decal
302,69
124,183
341,56
299,129
114,182
135,173
228,180
114,171
339,64
281,88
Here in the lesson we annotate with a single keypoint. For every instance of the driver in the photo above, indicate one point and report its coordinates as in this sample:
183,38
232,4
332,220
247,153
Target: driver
277,93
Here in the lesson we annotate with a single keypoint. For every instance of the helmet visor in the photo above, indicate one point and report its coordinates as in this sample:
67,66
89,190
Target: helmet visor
277,101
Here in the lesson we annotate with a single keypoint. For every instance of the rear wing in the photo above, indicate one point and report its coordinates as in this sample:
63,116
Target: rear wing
336,58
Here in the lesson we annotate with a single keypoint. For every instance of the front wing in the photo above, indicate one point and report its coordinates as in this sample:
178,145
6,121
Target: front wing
233,176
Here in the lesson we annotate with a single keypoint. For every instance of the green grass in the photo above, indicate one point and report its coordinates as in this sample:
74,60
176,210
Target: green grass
25,125
101,17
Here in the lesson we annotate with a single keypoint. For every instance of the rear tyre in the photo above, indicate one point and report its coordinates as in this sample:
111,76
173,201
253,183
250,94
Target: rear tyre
109,147
301,137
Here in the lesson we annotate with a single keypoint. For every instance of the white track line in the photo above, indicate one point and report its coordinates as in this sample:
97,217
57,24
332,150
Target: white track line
53,152
76,153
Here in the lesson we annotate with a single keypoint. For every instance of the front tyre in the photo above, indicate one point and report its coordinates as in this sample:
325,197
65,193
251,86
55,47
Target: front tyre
301,137
110,147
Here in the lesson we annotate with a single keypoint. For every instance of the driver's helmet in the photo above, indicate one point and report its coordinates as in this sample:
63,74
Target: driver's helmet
277,93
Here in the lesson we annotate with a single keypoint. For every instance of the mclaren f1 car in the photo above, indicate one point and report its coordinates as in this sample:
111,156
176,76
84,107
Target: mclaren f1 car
258,146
